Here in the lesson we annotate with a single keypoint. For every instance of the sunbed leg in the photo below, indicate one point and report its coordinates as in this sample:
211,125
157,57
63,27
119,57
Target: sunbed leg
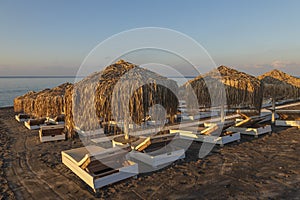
97,193
238,141
135,177
256,136
221,145
270,133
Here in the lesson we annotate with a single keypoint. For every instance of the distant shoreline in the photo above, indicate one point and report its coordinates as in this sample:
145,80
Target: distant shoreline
76,77
41,76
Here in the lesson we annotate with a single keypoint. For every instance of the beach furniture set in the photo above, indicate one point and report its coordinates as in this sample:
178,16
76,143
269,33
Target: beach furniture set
157,151
50,129
288,118
99,167
214,133
254,126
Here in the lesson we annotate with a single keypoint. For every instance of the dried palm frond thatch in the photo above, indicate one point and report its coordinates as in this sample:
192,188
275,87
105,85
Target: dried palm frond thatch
19,101
46,103
241,90
280,85
131,89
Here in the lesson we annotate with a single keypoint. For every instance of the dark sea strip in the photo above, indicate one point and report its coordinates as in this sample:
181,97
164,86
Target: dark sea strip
77,77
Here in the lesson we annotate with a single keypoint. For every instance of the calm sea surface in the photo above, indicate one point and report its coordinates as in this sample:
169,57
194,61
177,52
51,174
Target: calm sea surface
12,87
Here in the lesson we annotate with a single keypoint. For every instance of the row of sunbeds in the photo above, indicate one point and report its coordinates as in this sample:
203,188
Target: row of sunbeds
98,166
50,129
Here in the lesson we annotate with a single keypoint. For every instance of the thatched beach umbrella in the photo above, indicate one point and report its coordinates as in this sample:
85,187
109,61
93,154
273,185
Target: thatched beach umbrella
51,102
242,90
122,91
19,101
46,103
280,86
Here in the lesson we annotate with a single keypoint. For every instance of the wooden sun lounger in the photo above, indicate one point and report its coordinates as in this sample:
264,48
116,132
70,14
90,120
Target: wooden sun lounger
99,167
34,124
207,134
288,118
52,133
252,126
157,151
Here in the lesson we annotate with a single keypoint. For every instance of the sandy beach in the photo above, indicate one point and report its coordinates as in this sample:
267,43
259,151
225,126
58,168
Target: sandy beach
266,167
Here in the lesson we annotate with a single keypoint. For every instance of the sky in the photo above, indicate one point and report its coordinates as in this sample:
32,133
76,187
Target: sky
39,37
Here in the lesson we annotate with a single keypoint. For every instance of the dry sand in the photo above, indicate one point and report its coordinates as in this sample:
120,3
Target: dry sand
267,167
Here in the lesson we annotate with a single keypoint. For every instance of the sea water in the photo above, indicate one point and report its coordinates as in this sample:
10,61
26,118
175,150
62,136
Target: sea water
12,87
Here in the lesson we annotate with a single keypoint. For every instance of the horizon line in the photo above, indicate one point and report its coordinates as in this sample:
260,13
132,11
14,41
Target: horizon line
70,76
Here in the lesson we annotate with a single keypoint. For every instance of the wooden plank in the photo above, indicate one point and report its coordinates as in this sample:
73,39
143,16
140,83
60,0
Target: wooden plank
288,111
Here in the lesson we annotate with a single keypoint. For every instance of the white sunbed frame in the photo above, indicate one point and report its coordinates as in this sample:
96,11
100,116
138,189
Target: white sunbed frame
158,160
130,169
34,127
159,157
54,137
96,132
220,140
21,120
293,123
252,131
264,129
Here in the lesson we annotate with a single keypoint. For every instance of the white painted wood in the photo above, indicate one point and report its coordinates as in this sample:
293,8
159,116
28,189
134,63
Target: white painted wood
79,155
221,140
52,138
129,169
251,131
288,111
171,127
160,157
19,119
91,133
45,127
35,127
287,123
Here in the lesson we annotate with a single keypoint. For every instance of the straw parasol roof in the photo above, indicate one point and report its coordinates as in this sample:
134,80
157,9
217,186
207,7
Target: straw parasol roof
19,101
90,101
242,90
280,85
45,103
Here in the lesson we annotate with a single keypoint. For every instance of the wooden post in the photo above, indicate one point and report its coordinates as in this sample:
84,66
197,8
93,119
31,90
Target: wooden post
273,110
126,129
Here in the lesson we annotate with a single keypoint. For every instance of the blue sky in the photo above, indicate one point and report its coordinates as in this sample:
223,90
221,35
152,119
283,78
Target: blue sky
53,37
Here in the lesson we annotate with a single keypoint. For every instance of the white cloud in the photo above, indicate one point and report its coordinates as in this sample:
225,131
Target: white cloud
282,64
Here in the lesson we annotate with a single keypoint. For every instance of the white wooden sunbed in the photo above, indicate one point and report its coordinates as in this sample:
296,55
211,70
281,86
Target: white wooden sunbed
77,161
254,126
156,152
207,134
52,133
287,122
